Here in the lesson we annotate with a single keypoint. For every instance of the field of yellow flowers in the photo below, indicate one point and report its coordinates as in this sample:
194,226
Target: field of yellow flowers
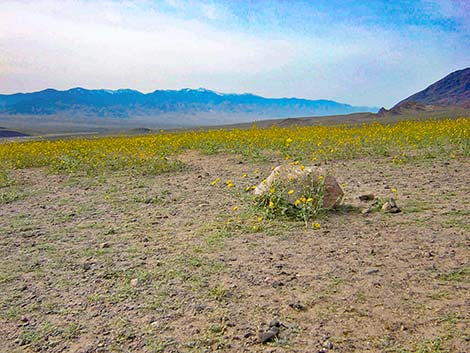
150,154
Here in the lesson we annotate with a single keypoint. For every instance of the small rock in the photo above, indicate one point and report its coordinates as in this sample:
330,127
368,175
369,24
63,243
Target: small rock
269,335
200,308
274,323
328,345
367,197
104,245
391,207
248,334
135,282
297,305
372,271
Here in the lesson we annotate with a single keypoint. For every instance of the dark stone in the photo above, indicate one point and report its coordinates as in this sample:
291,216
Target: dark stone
372,271
274,323
296,305
269,335
200,308
367,197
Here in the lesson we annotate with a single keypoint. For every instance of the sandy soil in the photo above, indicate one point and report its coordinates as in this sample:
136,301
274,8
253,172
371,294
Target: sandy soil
165,264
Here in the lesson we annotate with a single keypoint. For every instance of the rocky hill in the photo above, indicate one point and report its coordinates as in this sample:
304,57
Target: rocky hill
452,90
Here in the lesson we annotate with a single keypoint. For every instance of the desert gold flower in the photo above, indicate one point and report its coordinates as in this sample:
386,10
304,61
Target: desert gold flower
316,225
290,192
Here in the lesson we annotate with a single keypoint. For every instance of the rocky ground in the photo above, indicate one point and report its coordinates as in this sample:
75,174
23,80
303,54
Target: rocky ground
171,263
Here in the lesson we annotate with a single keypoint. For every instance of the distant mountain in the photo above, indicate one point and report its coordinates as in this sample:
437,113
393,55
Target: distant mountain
10,133
183,107
452,90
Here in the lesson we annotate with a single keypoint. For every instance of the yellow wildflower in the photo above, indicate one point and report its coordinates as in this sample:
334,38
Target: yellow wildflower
316,225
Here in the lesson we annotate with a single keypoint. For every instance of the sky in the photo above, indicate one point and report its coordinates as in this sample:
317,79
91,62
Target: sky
370,53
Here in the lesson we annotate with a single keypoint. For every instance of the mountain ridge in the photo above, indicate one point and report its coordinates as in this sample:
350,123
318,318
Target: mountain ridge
128,103
451,90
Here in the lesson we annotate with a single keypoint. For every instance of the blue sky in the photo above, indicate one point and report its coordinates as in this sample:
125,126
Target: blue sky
359,52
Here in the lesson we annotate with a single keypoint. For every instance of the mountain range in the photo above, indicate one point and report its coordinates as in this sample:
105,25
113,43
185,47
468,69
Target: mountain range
182,107
80,110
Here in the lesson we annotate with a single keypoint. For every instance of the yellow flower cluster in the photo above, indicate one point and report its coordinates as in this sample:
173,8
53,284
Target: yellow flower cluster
151,153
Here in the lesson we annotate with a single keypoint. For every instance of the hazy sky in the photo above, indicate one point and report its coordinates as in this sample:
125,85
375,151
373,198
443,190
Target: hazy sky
359,52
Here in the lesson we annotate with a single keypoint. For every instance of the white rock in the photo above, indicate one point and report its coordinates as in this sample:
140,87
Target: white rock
301,180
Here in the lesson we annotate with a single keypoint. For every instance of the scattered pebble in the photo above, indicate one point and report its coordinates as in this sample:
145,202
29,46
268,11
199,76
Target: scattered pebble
372,271
200,308
367,197
297,305
135,282
391,207
269,335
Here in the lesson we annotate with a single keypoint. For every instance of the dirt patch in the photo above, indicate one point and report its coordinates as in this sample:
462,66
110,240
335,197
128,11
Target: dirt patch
173,263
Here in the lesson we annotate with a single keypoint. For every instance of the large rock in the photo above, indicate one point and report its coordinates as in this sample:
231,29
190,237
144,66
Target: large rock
302,180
